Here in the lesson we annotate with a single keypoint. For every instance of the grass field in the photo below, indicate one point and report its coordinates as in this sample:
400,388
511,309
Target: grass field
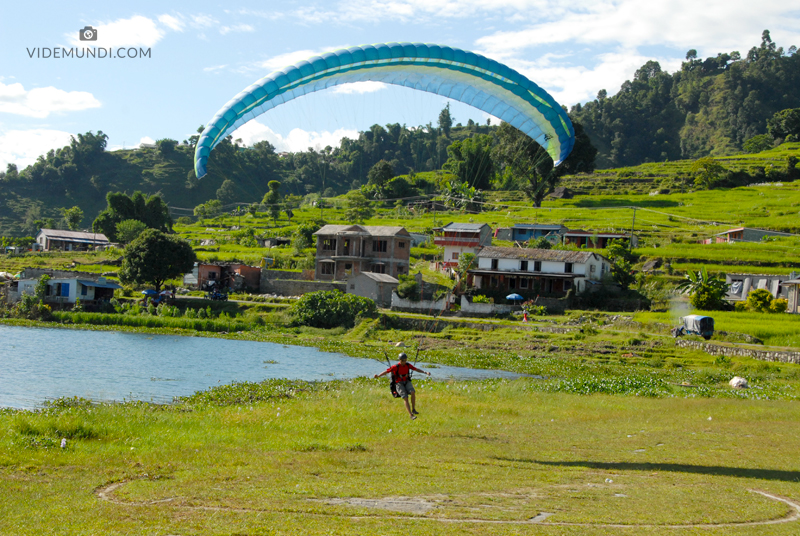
342,458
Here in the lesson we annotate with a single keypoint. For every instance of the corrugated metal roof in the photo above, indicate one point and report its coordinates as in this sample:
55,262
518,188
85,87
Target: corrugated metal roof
382,278
556,255
581,232
464,226
72,235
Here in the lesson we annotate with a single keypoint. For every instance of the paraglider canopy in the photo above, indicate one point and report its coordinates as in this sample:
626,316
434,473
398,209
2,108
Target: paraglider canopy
464,76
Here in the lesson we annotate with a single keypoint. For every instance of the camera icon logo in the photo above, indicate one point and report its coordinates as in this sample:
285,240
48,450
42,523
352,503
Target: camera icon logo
87,34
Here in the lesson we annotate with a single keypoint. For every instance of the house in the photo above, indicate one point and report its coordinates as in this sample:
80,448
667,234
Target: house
50,239
742,234
537,271
740,285
64,287
460,238
378,287
596,239
223,275
793,292
522,232
344,251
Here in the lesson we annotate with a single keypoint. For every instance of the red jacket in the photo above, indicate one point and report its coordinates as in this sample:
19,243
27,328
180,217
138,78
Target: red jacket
400,372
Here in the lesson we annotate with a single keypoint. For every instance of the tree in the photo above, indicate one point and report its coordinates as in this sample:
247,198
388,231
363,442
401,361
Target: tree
707,171
273,199
380,174
148,209
166,147
759,300
209,209
445,121
154,257
526,158
357,207
129,230
758,143
72,217
784,124
621,264
540,243
707,292
226,193
471,161
303,236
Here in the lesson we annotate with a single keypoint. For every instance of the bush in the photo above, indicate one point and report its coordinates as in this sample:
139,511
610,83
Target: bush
759,300
778,305
480,298
330,309
408,289
740,307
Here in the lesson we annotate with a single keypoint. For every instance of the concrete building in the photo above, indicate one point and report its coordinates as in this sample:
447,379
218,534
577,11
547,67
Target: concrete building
532,272
523,232
740,285
64,287
345,251
49,239
742,234
596,239
378,287
460,238
793,295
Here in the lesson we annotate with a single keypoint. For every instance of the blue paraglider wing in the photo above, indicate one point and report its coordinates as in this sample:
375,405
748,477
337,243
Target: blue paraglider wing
463,76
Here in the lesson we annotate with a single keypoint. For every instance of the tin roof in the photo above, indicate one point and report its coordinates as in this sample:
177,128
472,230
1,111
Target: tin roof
381,278
369,230
464,226
72,236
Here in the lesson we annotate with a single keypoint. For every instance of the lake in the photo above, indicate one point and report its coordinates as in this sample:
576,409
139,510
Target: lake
40,364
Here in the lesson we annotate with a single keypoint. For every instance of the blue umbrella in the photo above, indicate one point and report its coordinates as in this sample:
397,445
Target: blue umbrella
514,297
149,292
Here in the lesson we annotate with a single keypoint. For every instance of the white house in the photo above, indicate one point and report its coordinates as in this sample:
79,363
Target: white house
50,239
537,271
65,288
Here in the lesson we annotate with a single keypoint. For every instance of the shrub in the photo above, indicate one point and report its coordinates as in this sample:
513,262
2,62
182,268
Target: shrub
330,309
740,307
480,298
408,289
778,305
759,300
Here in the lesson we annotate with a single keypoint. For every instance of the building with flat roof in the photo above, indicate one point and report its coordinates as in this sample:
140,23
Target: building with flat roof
344,251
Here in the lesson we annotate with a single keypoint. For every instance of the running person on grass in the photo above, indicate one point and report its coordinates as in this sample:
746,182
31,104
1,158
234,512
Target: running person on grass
401,373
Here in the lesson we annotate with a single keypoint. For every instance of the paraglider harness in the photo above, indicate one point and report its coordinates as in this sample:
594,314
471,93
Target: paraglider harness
396,378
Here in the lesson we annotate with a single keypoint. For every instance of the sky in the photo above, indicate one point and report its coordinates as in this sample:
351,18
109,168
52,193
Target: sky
190,58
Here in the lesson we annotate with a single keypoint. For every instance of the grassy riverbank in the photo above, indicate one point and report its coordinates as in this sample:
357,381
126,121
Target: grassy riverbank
293,458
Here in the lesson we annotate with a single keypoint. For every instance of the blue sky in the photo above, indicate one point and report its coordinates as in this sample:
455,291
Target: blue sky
203,53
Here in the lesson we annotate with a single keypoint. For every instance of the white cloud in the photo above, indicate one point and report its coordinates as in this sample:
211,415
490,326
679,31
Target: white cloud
23,147
147,140
290,58
236,28
137,31
297,140
41,102
214,68
359,87
203,21
171,22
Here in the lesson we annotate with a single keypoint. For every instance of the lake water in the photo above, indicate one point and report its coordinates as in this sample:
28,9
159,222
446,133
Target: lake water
39,364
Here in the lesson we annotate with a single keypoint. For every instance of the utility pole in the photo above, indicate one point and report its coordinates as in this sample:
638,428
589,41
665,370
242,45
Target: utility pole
633,227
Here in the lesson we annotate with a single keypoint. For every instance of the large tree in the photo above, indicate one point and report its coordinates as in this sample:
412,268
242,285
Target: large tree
154,257
148,209
471,161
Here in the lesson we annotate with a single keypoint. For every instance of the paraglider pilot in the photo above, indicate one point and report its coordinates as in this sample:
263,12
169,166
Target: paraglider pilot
401,376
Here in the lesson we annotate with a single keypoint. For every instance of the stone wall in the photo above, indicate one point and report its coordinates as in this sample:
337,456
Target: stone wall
295,287
763,355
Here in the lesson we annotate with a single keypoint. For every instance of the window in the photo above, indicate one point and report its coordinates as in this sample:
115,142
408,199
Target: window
401,245
512,283
455,255
591,268
329,244
567,267
401,269
352,286
212,276
523,265
494,264
523,283
84,290
537,266
378,268
326,268
494,281
379,246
